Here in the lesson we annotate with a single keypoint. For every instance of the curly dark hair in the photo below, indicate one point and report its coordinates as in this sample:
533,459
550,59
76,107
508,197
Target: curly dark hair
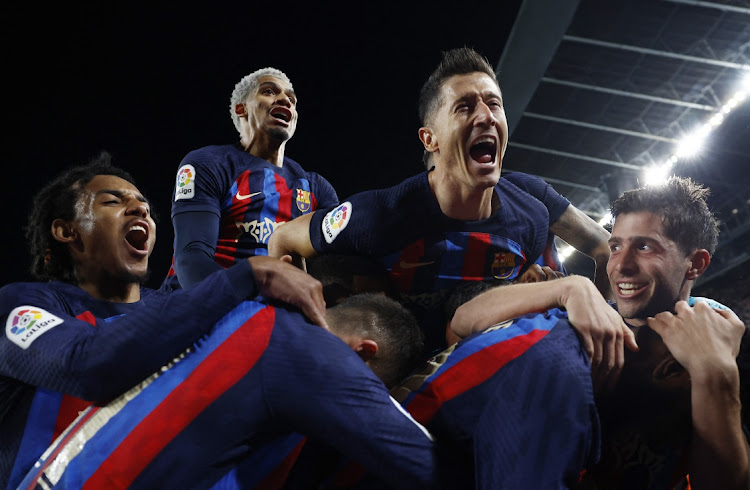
681,204
50,259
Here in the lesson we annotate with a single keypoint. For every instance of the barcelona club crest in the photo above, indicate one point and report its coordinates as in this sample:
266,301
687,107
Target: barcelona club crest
503,265
303,200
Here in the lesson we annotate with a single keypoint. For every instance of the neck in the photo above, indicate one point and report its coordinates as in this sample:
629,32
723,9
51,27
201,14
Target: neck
114,290
667,305
265,148
462,202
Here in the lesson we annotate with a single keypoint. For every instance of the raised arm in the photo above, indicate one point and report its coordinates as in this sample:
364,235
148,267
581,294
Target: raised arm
585,235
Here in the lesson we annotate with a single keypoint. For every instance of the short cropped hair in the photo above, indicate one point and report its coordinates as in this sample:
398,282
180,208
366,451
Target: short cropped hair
50,259
387,322
458,61
681,204
339,276
248,85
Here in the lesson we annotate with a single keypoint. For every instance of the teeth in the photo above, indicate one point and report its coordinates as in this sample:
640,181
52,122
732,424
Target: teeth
138,228
628,288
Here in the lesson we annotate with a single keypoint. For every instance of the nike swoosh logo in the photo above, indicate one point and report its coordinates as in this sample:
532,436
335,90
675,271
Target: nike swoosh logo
412,265
240,197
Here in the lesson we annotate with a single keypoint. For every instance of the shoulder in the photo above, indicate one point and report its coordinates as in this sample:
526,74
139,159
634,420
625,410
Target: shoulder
209,156
37,294
300,343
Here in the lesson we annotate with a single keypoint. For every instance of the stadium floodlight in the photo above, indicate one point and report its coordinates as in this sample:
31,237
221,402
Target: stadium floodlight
691,144
657,174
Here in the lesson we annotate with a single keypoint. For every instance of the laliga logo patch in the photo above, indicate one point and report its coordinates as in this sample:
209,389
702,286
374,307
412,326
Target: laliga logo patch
303,200
185,185
336,220
26,323
503,265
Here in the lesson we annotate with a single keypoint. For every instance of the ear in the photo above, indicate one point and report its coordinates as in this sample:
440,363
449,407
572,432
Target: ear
240,110
427,137
699,261
63,231
366,349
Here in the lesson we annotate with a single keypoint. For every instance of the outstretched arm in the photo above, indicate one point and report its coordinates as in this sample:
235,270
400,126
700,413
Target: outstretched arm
706,343
96,362
601,329
585,235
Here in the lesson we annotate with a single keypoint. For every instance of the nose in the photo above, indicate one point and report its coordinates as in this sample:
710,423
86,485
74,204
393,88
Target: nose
283,99
485,116
137,208
624,262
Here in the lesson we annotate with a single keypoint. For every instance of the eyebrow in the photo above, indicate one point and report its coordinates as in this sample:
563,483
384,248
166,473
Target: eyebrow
638,238
277,87
120,194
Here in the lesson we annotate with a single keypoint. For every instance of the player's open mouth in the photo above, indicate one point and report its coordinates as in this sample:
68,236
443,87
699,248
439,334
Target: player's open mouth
137,237
629,288
483,150
281,113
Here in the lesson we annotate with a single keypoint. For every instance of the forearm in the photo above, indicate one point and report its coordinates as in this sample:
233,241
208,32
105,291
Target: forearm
192,265
292,238
196,234
506,302
719,450
589,238
601,279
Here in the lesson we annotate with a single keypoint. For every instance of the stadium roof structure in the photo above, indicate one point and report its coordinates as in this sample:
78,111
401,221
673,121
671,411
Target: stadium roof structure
599,92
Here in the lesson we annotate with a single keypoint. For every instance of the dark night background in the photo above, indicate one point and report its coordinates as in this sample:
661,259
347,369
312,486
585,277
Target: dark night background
149,85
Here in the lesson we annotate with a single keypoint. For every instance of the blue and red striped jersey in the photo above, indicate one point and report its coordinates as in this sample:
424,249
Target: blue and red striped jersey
230,411
514,402
249,197
556,206
61,346
428,253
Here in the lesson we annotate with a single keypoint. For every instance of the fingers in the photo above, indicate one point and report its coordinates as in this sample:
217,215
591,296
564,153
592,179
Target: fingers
286,258
550,274
614,374
629,338
538,273
316,316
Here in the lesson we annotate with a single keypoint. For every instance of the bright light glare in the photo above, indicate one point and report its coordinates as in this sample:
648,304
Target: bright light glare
564,253
691,144
656,174
605,219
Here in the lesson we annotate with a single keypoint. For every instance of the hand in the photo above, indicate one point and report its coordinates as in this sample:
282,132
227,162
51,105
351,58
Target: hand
602,331
538,273
280,280
700,338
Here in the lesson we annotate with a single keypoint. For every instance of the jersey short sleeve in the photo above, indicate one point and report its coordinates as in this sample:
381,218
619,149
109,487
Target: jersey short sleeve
323,192
375,222
556,204
201,182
